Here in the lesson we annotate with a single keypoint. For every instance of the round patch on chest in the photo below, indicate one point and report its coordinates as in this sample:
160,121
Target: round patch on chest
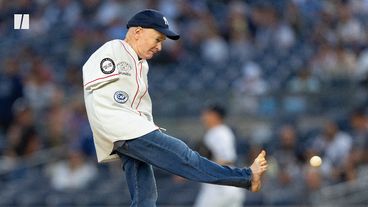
121,97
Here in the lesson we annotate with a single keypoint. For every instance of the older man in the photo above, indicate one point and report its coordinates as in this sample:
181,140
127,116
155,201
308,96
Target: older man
119,110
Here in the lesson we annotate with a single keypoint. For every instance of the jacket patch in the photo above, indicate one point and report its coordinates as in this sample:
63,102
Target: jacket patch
121,97
124,68
107,66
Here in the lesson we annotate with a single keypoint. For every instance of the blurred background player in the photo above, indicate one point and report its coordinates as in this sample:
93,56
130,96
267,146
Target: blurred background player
220,141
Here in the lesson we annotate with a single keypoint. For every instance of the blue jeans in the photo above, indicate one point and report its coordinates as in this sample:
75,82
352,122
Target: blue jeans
172,155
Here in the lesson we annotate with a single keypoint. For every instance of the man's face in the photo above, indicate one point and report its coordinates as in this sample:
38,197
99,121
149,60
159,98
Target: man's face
149,42
209,118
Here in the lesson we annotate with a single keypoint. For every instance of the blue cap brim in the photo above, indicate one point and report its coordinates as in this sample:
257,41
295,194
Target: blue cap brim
168,33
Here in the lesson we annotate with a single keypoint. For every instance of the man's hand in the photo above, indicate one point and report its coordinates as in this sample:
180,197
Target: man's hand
258,167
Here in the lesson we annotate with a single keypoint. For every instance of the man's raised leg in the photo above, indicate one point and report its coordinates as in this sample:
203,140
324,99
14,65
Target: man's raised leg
173,155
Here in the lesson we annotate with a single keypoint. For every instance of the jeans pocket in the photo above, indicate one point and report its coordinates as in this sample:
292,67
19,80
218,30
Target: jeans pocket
120,147
125,146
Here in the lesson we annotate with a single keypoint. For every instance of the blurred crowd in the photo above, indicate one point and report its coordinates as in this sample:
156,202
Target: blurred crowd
239,51
293,175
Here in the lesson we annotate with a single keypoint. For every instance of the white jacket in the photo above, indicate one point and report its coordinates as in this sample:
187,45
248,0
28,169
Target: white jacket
116,96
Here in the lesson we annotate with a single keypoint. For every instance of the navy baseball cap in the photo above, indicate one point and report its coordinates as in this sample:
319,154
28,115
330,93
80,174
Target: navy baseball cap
153,19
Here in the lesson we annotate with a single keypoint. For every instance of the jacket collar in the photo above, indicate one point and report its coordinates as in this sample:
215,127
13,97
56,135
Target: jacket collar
131,51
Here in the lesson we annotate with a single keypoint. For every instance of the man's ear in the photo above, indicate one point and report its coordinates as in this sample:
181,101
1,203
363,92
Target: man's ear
137,32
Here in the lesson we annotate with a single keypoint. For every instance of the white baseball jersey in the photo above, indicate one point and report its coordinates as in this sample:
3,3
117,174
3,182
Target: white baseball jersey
116,96
220,140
